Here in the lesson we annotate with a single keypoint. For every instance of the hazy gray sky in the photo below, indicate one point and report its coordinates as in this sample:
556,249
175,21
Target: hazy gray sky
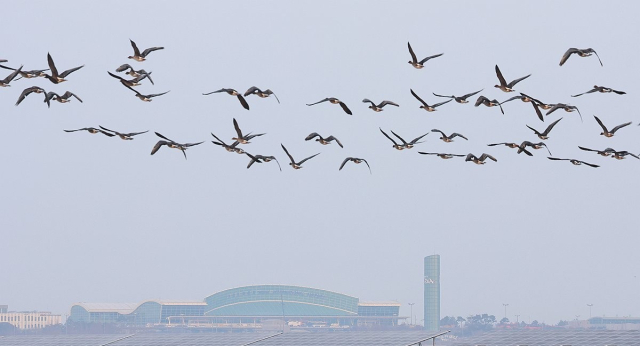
95,219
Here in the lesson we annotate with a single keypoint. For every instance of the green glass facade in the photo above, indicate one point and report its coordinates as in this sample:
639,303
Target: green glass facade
432,293
150,312
270,300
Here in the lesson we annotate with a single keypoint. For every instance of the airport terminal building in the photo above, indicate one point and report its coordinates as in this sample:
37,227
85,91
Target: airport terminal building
248,307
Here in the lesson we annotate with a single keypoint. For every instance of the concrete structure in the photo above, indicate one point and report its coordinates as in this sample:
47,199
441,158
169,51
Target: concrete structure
432,293
248,307
28,319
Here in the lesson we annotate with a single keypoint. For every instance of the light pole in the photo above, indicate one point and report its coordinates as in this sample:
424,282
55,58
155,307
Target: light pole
589,305
411,316
517,319
505,309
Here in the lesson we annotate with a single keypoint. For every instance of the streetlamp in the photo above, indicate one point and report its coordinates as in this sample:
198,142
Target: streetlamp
505,309
411,316
589,305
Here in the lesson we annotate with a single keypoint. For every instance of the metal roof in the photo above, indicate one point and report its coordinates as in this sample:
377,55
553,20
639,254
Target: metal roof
127,308
379,304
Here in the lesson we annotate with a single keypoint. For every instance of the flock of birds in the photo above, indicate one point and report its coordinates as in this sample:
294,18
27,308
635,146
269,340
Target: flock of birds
399,143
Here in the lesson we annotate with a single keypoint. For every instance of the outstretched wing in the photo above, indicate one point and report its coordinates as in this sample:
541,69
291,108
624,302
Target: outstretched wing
441,103
455,134
149,50
429,57
136,51
163,137
52,66
287,152
217,91
400,138
158,145
567,54
324,100
471,94
604,128
251,91
308,158
154,95
124,67
311,136
415,140
238,131
69,71
367,100
116,77
516,81
500,77
418,97
546,132
386,135
345,108
384,103
344,162
619,127
330,138
586,92
413,55
243,102
537,109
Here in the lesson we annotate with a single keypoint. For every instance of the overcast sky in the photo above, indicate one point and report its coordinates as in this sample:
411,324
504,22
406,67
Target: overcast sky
87,218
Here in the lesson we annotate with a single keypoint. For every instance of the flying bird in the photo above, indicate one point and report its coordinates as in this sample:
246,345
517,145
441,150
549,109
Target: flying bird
513,146
479,160
621,155
5,82
124,136
442,155
243,139
26,92
574,161
261,159
130,82
133,73
232,92
564,106
172,144
56,77
503,83
461,99
536,146
601,89
489,103
294,164
378,108
64,98
449,139
395,145
262,94
608,133
145,98
230,148
26,74
425,106
354,160
414,61
581,52
606,152
544,135
321,140
92,130
137,56
413,142
334,101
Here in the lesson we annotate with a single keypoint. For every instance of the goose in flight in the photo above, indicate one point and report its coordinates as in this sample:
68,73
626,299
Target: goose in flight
356,161
133,73
414,60
544,135
230,148
378,107
124,136
536,146
574,161
425,106
145,98
395,145
26,92
461,99
26,74
243,139
404,144
131,82
479,160
442,155
606,152
567,108
172,144
489,103
513,146
56,77
321,140
504,86
608,133
64,98
261,159
601,89
262,94
449,139
334,101
92,130
621,155
232,92
137,56
294,164
581,52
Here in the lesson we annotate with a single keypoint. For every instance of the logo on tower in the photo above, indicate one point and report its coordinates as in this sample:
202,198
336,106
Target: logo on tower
428,280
